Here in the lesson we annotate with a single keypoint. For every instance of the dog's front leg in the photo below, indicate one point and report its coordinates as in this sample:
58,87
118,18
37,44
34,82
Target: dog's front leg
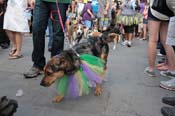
98,90
58,99
115,44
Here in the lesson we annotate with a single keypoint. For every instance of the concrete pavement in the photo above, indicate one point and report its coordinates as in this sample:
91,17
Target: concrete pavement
127,91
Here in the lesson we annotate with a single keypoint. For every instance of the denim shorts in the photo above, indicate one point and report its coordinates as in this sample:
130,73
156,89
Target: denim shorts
104,22
145,21
88,23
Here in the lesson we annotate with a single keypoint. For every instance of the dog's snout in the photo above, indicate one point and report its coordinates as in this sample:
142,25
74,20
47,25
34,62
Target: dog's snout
44,84
79,33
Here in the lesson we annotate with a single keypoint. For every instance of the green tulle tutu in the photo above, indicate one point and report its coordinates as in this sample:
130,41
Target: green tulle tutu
88,75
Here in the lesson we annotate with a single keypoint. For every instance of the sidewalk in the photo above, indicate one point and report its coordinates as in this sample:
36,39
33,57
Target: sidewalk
127,91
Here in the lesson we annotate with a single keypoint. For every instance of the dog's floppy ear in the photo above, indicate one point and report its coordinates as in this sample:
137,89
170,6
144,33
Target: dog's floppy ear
75,26
75,59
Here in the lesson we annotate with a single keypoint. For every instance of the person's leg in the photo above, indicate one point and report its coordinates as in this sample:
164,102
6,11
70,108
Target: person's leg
4,41
58,34
153,38
18,39
130,37
11,36
40,19
50,34
144,31
171,57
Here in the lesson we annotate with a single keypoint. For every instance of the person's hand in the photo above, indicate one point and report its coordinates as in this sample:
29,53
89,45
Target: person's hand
105,12
31,3
1,1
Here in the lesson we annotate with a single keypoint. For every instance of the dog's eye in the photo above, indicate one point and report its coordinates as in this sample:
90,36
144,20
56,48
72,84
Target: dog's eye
48,73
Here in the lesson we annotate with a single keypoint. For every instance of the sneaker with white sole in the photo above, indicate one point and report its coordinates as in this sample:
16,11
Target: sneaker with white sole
168,73
129,44
160,55
169,85
125,42
149,72
168,111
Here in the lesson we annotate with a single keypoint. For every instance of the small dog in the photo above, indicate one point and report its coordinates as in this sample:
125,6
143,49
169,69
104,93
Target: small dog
75,34
112,35
68,62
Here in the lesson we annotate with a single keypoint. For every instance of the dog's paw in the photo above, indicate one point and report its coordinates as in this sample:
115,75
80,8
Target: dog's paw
98,91
114,47
57,99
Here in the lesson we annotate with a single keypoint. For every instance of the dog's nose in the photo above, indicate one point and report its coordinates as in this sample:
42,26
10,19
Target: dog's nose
43,84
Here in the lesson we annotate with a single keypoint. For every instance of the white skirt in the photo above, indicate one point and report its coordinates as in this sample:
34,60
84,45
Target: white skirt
15,18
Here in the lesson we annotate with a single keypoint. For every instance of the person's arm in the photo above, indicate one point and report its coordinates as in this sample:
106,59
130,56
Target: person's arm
106,8
89,12
73,6
31,3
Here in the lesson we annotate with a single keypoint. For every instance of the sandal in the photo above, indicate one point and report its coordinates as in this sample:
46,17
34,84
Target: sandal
163,68
15,56
12,52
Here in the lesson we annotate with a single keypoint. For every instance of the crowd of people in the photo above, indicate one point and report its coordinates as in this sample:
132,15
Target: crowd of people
151,20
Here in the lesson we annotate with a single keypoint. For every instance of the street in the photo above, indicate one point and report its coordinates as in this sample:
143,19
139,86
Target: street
127,91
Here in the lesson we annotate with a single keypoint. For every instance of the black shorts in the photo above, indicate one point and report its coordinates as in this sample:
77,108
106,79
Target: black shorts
129,29
151,17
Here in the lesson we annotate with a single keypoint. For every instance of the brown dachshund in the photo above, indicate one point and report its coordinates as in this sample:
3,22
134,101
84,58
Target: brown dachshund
68,62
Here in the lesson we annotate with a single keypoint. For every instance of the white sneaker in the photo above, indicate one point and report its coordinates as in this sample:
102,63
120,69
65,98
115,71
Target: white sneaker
129,44
170,74
169,85
160,55
125,42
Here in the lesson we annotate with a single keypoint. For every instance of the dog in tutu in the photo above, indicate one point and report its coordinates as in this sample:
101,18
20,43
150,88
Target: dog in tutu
78,69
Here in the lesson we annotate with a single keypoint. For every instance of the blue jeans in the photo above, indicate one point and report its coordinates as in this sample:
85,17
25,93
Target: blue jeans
50,27
41,15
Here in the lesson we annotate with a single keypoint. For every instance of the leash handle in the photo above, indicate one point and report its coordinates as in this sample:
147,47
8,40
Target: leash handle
59,15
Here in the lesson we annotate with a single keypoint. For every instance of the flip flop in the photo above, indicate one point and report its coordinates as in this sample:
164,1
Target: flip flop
12,52
15,56
163,68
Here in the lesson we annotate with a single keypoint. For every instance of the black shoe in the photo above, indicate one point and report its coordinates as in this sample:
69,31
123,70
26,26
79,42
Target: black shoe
169,100
32,73
7,106
161,61
4,45
168,111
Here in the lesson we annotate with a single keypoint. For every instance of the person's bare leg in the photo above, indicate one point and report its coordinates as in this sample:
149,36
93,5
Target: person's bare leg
152,44
18,38
11,36
130,36
163,36
171,57
144,31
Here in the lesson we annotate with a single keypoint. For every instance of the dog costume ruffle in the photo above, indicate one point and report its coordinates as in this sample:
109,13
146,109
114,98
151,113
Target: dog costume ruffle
88,75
